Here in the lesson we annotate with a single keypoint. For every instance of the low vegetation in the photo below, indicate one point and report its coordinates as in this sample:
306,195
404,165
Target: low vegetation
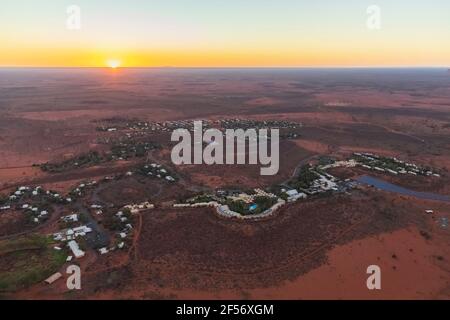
304,178
259,205
26,261
84,160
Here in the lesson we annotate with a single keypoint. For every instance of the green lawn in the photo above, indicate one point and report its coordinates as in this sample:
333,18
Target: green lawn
26,261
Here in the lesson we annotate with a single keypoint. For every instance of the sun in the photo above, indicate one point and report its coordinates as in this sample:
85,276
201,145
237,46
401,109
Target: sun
113,63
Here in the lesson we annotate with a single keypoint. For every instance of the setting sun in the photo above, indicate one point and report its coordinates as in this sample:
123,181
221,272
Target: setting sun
113,63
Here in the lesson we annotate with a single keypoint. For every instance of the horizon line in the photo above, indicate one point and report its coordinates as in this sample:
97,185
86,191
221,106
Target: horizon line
233,67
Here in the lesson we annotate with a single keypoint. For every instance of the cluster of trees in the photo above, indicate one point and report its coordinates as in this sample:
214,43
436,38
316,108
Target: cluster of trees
114,223
263,203
304,178
238,206
3,199
203,198
90,158
132,150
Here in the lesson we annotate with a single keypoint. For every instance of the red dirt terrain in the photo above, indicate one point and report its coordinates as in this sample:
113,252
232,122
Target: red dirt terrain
318,248
301,253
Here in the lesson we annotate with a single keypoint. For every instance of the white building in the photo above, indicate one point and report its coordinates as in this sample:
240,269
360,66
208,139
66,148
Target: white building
70,218
77,252
103,251
53,278
294,195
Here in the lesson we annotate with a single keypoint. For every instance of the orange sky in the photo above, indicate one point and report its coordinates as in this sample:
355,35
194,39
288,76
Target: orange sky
284,33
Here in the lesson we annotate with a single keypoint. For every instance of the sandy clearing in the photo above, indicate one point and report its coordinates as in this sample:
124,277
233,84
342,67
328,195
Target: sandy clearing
313,146
409,265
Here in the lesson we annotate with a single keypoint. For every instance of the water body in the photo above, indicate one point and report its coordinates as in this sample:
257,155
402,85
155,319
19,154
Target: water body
386,186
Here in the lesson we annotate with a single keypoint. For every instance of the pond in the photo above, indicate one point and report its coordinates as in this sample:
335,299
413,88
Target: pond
386,186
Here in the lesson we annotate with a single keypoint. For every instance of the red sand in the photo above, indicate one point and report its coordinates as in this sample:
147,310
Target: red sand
418,274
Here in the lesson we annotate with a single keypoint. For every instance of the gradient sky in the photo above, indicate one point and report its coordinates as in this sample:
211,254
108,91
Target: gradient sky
225,33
